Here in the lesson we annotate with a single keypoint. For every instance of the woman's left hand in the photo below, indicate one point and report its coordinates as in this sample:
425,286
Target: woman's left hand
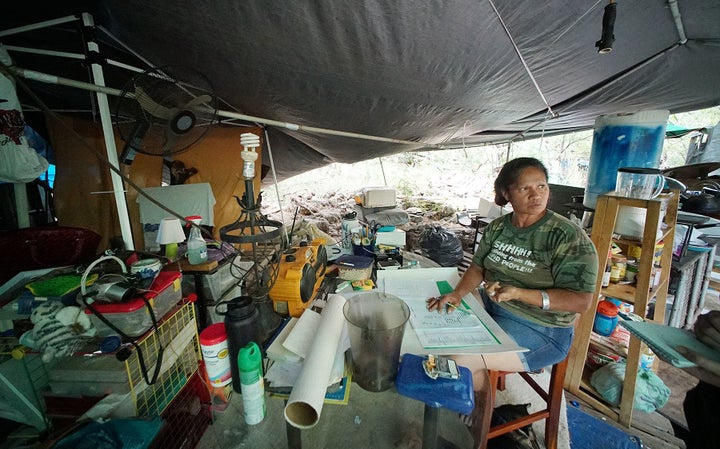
500,293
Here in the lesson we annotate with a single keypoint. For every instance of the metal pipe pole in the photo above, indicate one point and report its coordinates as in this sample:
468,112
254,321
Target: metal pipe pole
106,121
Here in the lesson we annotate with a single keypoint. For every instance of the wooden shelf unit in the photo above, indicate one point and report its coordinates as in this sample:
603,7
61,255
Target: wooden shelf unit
640,295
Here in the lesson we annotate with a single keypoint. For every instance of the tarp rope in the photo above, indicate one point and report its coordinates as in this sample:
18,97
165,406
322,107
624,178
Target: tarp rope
522,59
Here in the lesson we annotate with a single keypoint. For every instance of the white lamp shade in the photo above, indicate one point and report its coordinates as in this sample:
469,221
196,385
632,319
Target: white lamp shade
170,231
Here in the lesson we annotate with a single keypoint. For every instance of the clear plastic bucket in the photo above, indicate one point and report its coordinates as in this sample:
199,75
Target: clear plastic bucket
376,326
623,140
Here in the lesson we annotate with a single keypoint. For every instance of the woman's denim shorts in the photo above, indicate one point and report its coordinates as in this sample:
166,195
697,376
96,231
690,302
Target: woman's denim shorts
547,345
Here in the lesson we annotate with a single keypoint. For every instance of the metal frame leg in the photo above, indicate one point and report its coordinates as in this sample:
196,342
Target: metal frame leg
430,427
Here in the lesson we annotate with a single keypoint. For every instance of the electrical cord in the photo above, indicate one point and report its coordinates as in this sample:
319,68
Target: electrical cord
141,359
132,339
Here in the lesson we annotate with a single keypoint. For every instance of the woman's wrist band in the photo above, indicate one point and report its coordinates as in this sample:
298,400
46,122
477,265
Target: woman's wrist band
545,300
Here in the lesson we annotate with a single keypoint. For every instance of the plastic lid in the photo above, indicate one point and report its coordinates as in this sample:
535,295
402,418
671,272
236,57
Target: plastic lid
197,219
350,261
607,308
110,344
213,334
640,170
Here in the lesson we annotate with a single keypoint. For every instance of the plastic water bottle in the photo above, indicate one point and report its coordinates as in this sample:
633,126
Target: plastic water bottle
241,328
349,223
252,384
196,245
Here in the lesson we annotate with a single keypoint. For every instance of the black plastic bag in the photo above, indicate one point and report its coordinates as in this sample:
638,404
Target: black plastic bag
522,438
441,245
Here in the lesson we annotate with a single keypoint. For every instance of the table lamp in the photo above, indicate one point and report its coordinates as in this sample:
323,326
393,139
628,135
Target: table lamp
170,234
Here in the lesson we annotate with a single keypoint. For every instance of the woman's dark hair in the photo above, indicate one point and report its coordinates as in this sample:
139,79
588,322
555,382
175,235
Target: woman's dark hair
509,173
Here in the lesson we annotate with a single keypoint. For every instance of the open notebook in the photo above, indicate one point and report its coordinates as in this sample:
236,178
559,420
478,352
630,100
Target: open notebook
664,339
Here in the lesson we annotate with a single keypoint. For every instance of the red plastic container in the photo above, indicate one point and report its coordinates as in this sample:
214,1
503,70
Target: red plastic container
133,317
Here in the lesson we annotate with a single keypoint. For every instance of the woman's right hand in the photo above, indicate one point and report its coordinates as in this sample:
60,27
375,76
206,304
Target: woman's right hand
440,303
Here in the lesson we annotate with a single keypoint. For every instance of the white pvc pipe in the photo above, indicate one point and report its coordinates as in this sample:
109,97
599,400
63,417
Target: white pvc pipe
107,127
21,205
52,79
35,26
675,11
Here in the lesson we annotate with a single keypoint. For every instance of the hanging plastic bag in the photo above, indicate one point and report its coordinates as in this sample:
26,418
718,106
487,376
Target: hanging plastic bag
651,393
441,245
18,162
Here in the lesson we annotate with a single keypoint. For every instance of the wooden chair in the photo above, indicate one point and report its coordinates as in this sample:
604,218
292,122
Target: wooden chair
553,398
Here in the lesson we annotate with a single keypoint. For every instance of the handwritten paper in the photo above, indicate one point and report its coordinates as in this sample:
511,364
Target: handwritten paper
439,330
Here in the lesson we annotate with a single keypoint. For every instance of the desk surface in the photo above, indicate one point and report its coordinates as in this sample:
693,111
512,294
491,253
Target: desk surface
412,345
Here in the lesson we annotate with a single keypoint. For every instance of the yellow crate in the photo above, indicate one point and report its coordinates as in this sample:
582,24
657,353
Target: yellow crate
178,338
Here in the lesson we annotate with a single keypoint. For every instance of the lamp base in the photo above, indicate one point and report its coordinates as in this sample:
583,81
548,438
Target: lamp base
171,250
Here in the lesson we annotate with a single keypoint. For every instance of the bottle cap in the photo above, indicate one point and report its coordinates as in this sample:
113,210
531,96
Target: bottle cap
110,344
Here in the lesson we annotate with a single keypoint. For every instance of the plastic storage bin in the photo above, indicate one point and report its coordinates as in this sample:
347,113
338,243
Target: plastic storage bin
133,317
174,347
218,283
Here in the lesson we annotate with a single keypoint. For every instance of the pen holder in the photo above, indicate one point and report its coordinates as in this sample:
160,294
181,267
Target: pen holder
366,248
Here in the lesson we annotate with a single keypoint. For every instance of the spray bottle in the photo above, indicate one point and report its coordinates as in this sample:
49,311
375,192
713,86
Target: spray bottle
252,384
196,245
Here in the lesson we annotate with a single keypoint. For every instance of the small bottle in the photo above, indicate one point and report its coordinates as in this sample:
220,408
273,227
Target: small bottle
252,385
647,358
657,272
196,245
608,269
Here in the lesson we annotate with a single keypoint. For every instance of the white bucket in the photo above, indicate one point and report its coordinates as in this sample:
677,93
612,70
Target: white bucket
631,222
623,140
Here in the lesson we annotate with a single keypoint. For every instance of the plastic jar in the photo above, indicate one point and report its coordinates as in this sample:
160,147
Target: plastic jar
631,269
606,318
619,266
216,356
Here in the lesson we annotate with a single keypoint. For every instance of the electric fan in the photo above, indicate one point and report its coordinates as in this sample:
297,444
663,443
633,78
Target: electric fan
164,111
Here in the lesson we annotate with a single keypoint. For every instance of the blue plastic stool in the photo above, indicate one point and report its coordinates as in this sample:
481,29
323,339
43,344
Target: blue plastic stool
453,394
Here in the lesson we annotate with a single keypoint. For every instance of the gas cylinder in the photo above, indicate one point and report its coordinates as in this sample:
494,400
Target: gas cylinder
241,327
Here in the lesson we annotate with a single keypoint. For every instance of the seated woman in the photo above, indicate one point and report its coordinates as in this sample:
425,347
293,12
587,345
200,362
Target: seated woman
538,271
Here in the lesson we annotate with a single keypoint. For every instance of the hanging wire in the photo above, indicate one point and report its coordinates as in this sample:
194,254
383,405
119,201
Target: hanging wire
542,132
382,169
275,182
522,59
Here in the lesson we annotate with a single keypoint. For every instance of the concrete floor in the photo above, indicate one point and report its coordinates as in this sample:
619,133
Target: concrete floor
384,420
387,420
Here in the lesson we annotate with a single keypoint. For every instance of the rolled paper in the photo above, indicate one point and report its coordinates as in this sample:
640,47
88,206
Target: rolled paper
308,394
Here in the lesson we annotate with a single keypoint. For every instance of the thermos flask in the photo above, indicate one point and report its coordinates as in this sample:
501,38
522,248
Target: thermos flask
241,327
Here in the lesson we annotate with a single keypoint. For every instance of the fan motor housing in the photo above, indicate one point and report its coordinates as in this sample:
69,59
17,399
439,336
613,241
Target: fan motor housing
301,271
